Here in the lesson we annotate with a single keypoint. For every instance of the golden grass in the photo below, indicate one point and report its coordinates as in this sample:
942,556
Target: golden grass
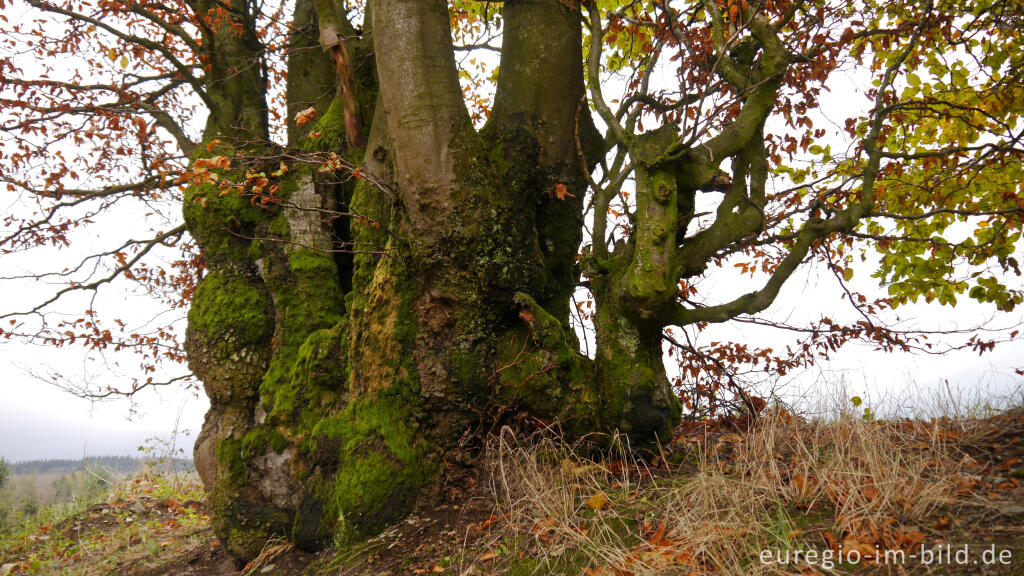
729,497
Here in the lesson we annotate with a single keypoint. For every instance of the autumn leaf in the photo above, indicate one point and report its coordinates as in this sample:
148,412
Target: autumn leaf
1009,463
912,538
305,116
490,555
561,192
598,501
869,492
281,171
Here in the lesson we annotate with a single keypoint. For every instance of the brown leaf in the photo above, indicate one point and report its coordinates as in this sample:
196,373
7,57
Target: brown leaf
490,555
559,191
1011,462
305,116
912,538
659,535
869,492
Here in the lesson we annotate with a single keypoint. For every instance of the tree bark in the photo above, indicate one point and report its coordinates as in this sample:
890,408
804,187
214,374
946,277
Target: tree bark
352,363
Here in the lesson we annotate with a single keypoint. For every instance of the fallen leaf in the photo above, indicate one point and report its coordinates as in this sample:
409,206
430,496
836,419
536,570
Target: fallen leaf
869,492
912,538
659,535
599,501
490,555
1011,462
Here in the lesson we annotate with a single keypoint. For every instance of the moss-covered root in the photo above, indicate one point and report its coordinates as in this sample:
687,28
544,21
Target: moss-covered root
637,398
386,454
538,370
385,462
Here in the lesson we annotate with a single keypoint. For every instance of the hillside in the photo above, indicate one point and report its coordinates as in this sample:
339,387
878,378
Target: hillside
119,464
779,495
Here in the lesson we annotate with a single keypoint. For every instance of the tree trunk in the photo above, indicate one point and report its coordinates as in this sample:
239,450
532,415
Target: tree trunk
353,362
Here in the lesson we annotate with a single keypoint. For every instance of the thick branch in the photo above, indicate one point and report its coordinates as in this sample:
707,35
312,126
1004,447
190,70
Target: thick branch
333,42
541,78
422,97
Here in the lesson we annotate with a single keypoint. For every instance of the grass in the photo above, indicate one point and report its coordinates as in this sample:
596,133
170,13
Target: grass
725,497
137,523
847,487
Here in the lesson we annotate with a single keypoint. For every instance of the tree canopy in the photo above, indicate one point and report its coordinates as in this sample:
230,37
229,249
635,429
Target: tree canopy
395,211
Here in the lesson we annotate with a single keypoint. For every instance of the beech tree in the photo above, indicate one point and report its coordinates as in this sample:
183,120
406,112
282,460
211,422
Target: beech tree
386,237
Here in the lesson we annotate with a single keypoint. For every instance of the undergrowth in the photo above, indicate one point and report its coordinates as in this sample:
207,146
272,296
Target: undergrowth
716,502
134,524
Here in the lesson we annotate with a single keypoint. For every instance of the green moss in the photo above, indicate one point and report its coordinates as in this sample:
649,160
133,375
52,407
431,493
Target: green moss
258,440
238,513
222,222
384,461
307,298
244,522
541,372
369,202
230,309
488,242
636,397
317,380
331,127
230,461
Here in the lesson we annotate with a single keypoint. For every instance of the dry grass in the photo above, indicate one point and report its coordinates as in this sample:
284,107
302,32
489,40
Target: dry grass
272,550
729,497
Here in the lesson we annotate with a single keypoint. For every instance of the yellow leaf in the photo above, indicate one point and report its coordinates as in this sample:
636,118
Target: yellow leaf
599,501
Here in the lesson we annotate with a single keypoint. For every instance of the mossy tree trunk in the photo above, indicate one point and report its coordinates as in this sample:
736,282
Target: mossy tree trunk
356,335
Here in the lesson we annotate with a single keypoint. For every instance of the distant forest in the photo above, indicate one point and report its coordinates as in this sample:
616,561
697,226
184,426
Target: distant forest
121,464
